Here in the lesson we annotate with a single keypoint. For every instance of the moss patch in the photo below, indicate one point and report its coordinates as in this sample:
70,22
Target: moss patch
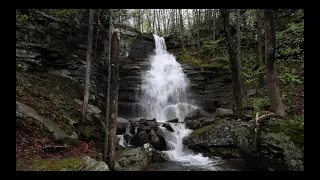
53,164
202,130
220,63
51,96
292,128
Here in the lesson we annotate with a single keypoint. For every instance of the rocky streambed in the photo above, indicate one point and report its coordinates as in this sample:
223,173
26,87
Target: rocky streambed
226,141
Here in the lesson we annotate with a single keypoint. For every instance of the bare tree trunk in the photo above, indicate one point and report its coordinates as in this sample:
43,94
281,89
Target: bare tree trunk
88,66
158,17
115,51
182,29
214,25
239,59
198,33
256,140
154,20
108,91
139,20
273,90
260,52
98,24
236,76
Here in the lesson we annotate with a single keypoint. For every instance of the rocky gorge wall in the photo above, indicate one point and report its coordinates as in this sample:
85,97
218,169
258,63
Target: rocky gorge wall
44,43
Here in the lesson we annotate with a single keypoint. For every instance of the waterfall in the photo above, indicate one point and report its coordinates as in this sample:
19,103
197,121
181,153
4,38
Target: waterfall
164,97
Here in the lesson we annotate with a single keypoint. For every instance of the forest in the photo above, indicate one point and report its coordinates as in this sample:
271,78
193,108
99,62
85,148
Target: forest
148,89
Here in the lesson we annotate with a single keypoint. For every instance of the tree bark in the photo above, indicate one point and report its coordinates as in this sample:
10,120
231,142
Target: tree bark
88,66
273,90
108,91
198,33
98,25
182,29
214,25
115,52
235,70
260,52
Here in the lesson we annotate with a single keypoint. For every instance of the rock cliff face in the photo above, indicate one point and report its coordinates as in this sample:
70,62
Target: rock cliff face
131,70
208,90
48,44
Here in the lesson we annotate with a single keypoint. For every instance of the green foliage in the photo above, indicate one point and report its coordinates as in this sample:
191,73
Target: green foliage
251,70
290,42
287,77
210,47
259,104
66,14
22,19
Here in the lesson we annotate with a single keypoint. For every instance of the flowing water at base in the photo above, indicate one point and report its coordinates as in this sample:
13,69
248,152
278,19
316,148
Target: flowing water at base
164,97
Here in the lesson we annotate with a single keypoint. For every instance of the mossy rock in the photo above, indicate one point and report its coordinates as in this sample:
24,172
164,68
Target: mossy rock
52,164
224,152
291,128
278,148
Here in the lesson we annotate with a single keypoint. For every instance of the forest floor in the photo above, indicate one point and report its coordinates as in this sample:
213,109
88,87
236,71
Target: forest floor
52,97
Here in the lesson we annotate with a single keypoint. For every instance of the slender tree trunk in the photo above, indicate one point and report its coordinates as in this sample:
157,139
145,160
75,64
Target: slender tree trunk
260,52
214,25
139,20
154,21
235,69
198,33
108,90
182,29
273,90
98,25
158,17
88,66
115,52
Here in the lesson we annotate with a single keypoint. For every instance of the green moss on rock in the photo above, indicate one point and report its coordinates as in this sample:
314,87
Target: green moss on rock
52,164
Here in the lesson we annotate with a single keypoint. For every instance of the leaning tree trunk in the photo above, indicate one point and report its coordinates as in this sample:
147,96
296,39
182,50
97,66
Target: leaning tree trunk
115,52
260,52
273,90
235,70
88,66
106,122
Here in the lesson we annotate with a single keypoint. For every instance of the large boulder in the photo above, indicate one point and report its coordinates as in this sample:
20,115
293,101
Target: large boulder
134,159
155,140
93,165
197,114
122,125
222,113
168,127
159,156
279,143
195,118
139,139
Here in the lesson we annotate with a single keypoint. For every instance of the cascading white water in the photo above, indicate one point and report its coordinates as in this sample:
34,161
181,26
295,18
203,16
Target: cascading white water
164,97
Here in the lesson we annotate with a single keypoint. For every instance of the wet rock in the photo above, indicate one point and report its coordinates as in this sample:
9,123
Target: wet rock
139,139
222,113
195,124
127,137
176,120
152,124
133,159
217,134
197,114
122,125
168,127
144,128
159,156
155,140
163,143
